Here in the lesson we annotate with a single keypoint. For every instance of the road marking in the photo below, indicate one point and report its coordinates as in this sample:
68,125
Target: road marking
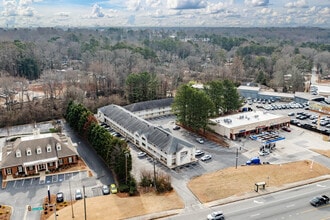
255,215
319,185
255,201
288,206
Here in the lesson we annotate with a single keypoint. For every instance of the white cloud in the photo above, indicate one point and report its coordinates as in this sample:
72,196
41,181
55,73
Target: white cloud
215,8
186,4
266,11
134,5
256,3
297,4
26,11
97,11
153,3
325,11
63,14
9,8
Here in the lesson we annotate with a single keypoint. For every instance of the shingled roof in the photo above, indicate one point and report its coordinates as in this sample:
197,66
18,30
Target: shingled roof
157,136
33,142
140,106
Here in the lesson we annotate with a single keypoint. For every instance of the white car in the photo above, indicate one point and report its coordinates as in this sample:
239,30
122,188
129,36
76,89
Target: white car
200,140
78,194
199,153
141,154
206,157
216,216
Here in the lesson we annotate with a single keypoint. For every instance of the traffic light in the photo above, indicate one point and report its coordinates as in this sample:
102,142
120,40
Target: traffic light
29,208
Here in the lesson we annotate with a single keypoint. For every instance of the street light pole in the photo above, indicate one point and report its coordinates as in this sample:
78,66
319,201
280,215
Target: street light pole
84,202
71,199
154,161
236,157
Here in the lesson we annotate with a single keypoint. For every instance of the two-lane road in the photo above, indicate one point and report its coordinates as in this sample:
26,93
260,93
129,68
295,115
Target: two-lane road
287,204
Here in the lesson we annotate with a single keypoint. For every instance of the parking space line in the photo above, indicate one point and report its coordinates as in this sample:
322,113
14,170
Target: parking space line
23,182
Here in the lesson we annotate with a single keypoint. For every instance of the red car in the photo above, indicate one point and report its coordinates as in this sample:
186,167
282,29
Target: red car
287,129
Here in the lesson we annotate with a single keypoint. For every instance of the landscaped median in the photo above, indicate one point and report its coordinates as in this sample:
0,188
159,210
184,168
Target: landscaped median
235,182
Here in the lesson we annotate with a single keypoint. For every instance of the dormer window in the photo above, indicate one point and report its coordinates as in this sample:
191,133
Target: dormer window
28,152
18,153
49,148
38,150
58,146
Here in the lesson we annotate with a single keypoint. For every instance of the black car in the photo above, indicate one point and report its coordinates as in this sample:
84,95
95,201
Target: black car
59,197
319,200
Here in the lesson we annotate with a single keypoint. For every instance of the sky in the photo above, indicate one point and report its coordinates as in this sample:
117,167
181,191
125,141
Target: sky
164,13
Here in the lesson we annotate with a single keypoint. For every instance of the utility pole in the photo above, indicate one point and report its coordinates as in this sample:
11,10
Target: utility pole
84,202
154,160
71,199
236,157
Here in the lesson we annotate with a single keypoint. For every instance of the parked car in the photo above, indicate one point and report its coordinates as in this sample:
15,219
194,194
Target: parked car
206,157
59,197
291,114
253,161
319,200
113,188
263,153
176,127
141,154
78,194
216,216
287,129
105,190
200,140
198,153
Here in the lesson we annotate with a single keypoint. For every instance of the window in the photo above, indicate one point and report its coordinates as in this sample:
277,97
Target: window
20,169
50,164
49,148
30,167
28,152
18,153
60,161
70,159
8,171
39,150
58,146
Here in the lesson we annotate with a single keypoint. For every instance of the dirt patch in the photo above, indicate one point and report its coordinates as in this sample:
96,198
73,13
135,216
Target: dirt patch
229,182
102,207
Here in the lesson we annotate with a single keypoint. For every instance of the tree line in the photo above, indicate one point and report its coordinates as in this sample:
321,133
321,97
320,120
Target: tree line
114,152
194,106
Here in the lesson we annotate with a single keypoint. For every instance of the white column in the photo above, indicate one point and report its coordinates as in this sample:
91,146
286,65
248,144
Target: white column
36,168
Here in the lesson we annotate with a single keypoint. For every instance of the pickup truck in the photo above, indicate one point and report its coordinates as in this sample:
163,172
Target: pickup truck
319,200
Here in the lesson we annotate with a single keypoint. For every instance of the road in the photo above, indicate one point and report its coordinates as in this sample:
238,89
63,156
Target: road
287,204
